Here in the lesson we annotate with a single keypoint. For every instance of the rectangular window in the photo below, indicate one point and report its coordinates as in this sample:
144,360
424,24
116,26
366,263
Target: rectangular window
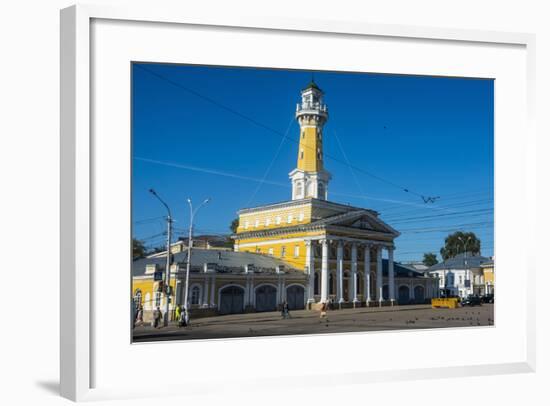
245,225
301,217
270,251
267,221
296,251
302,154
278,220
289,219
257,223
283,252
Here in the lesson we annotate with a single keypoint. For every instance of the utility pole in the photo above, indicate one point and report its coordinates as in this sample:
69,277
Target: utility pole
167,288
466,276
192,214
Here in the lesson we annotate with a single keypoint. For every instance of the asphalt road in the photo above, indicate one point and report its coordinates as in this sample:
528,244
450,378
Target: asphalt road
309,322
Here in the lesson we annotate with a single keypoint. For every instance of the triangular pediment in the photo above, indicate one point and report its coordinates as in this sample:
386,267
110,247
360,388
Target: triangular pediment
360,220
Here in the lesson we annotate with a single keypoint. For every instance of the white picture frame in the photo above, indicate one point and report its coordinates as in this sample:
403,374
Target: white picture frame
77,281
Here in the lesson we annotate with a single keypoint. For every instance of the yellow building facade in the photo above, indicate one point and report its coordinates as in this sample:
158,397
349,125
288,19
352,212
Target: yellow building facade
339,247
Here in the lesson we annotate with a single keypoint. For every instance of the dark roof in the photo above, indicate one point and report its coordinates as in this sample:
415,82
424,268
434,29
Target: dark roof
238,260
401,271
488,263
460,262
313,85
223,259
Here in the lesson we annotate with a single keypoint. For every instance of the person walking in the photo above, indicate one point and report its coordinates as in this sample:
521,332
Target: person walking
183,320
178,313
139,317
323,310
157,317
285,311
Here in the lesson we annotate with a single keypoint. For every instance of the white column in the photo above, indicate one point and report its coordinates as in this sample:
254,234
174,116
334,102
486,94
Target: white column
251,292
340,272
391,276
283,290
324,271
279,290
213,291
366,276
379,277
205,292
310,262
354,273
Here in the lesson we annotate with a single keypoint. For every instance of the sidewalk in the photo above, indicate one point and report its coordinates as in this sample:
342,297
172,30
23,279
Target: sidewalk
251,321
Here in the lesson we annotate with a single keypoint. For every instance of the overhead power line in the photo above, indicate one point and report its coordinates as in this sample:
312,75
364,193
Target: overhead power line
274,131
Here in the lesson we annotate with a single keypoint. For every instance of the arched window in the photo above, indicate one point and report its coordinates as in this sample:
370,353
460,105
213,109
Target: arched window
299,189
195,295
321,190
309,188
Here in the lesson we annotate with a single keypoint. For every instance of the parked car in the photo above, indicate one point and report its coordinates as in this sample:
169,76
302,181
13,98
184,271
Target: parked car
489,298
472,300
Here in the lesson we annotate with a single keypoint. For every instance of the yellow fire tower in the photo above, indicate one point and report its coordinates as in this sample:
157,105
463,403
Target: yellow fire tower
309,179
338,247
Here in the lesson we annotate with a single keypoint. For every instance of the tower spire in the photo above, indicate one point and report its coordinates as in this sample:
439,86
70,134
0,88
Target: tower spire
309,179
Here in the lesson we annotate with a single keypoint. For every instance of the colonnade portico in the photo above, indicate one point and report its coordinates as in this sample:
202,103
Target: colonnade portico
353,285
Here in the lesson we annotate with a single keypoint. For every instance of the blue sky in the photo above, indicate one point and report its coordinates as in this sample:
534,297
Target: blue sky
215,131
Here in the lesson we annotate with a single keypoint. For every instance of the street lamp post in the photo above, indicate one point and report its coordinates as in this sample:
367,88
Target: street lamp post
464,243
189,245
167,288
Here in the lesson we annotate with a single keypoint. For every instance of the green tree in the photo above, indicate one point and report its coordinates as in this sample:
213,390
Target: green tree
429,259
234,225
460,242
138,248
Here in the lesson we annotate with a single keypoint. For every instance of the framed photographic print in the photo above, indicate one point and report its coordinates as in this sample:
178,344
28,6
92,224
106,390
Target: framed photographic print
273,190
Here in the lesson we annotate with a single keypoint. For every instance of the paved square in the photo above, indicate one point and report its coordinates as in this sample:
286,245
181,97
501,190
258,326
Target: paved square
309,322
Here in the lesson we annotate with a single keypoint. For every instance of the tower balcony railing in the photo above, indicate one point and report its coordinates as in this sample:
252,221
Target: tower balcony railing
311,108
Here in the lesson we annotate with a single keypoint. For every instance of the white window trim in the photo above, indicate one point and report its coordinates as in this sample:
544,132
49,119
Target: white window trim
193,286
